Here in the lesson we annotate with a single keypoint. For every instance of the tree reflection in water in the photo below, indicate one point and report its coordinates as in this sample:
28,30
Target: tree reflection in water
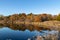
23,27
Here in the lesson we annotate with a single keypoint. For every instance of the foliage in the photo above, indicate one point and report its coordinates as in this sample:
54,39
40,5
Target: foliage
1,17
30,17
58,17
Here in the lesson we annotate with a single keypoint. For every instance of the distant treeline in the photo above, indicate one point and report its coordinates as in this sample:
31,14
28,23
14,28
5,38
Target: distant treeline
30,17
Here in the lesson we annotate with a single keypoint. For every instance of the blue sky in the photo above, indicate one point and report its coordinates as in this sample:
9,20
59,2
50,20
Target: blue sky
9,7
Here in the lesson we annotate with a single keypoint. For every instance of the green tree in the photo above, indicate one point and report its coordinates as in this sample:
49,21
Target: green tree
58,17
1,17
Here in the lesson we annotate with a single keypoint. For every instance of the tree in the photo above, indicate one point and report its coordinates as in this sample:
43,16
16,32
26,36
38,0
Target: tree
30,17
14,17
1,17
58,17
22,16
36,18
44,17
54,17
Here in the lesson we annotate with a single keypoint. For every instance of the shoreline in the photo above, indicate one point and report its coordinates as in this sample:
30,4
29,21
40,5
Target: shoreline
53,25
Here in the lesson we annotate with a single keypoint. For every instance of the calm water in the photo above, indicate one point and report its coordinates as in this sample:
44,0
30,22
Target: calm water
9,34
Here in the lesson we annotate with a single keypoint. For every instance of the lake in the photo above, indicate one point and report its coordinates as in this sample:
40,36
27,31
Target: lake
7,33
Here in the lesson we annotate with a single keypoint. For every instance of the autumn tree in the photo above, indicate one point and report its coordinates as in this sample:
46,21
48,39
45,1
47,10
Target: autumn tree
30,17
14,17
36,18
45,17
22,16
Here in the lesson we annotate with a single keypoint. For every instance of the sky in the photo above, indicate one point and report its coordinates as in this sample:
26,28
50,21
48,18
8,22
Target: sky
9,7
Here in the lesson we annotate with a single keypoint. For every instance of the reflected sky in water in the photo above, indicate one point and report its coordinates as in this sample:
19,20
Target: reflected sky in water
7,33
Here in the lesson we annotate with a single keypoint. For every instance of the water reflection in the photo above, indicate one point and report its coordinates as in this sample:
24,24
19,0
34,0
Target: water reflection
7,33
23,27
26,32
